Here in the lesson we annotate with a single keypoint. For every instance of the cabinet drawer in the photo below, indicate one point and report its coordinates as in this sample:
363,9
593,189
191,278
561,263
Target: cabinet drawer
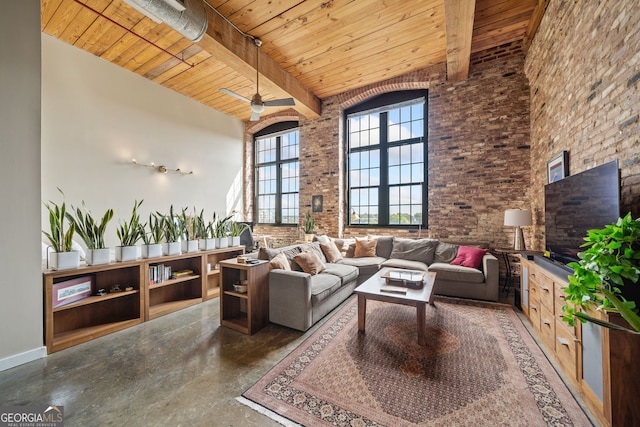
544,285
547,327
559,293
534,313
566,349
534,292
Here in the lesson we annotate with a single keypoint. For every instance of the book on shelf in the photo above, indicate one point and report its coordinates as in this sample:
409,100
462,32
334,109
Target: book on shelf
159,273
181,273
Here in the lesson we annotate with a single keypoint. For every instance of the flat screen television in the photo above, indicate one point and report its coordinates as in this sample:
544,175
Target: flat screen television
576,204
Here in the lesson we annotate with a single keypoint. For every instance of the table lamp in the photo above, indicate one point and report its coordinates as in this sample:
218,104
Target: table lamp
518,218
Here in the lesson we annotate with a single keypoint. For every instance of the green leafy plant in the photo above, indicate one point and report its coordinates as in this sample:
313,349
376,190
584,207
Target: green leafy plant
611,261
156,230
61,240
203,229
309,224
172,227
91,232
131,232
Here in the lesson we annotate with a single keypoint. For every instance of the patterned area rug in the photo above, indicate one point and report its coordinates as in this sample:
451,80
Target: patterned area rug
480,367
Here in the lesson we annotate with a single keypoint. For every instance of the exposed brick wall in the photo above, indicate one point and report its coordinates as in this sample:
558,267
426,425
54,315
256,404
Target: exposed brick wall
584,71
478,152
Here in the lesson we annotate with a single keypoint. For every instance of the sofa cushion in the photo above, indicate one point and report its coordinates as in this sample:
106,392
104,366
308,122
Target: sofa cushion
404,263
414,250
445,252
346,273
331,252
469,257
279,262
365,248
323,286
384,245
309,261
456,273
288,251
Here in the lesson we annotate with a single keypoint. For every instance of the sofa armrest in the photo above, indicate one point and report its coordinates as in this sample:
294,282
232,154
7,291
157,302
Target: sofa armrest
290,299
491,269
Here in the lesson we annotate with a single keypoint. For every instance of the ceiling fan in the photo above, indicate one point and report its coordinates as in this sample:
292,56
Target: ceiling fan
257,104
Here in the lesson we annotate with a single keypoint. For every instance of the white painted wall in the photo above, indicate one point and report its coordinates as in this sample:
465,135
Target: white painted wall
21,279
97,116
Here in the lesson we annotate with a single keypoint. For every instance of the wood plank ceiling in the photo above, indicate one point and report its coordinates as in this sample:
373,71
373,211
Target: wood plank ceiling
312,49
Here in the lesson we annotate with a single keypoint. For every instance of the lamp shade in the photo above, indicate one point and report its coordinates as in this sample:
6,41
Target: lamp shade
517,217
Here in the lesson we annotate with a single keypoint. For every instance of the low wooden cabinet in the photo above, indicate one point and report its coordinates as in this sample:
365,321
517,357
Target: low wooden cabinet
601,363
246,312
97,315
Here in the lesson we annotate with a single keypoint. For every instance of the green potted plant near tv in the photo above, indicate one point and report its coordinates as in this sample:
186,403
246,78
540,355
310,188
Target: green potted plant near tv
152,247
61,240
187,235
308,227
129,233
92,233
609,264
171,224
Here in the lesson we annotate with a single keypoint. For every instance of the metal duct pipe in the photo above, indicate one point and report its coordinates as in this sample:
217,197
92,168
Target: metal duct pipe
191,22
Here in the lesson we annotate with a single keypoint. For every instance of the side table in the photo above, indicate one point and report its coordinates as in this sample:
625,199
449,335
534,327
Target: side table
505,252
246,312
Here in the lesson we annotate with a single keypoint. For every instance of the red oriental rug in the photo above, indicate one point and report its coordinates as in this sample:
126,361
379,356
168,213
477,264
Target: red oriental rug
480,368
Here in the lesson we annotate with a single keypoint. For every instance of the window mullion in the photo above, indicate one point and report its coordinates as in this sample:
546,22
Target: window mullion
383,192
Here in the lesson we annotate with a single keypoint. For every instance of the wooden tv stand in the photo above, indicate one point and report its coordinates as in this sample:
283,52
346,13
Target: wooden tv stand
602,364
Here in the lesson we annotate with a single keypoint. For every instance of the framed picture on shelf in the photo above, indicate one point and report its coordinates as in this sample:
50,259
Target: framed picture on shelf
72,290
558,167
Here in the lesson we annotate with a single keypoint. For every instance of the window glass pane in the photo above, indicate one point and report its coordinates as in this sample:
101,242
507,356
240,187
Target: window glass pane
394,175
374,158
394,156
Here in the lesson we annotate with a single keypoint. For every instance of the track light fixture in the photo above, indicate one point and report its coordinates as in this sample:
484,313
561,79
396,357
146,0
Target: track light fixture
161,168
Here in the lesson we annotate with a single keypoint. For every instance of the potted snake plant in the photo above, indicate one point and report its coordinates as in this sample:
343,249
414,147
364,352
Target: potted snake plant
92,233
152,247
187,235
309,227
203,231
129,234
220,232
171,225
235,230
61,240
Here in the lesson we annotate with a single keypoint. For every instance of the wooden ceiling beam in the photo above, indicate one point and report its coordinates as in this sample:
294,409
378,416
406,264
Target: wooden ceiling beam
227,45
458,18
534,23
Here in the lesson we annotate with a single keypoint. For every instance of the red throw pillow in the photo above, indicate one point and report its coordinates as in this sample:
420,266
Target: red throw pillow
469,257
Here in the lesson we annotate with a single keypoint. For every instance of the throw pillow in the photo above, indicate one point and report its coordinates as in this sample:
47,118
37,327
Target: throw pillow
350,252
309,262
384,245
331,252
365,248
321,239
469,257
414,250
445,252
279,262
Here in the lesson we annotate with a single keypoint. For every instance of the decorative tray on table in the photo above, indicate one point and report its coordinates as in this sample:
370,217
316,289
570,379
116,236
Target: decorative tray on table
411,279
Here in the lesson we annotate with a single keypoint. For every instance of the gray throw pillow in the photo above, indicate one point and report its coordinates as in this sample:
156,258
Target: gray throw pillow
445,252
415,250
384,245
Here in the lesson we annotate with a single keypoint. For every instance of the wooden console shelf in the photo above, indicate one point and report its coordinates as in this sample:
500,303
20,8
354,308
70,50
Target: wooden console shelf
97,315
601,363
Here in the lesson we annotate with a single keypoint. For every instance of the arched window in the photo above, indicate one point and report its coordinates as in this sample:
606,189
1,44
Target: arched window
277,174
387,160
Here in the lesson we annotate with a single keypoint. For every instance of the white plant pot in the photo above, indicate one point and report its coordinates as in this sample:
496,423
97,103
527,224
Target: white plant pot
222,242
189,246
64,260
171,248
153,250
207,244
126,253
235,241
98,256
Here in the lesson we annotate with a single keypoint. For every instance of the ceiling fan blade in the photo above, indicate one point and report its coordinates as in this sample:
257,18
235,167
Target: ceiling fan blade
232,93
280,102
254,117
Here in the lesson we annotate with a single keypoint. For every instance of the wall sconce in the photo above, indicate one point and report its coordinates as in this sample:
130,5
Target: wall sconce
518,218
161,168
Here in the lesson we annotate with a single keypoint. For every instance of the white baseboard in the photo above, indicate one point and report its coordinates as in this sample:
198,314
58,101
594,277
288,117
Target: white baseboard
21,358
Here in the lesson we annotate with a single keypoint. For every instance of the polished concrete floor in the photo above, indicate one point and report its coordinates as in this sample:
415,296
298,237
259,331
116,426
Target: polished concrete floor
182,369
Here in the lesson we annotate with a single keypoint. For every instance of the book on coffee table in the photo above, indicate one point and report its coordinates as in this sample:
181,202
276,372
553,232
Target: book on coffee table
406,278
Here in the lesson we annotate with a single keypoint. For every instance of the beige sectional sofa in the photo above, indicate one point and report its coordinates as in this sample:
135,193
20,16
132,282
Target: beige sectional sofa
298,299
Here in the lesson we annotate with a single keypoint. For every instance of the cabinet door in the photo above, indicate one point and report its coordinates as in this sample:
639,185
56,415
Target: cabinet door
592,373
524,288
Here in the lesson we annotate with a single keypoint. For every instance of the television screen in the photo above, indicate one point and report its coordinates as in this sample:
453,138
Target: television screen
576,204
